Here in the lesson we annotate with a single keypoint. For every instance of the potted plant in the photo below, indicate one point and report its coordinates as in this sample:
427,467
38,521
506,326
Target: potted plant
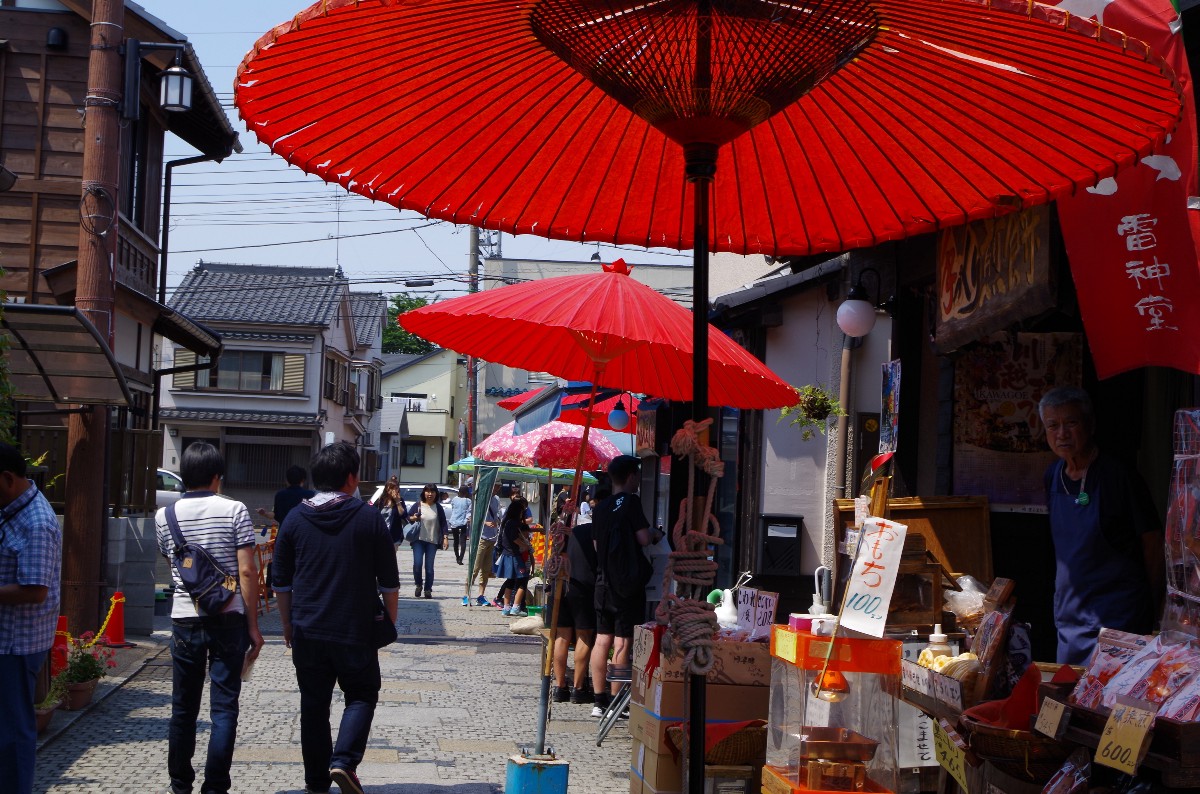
44,711
86,663
812,410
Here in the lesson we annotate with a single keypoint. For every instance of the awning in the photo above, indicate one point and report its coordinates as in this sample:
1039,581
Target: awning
56,355
165,321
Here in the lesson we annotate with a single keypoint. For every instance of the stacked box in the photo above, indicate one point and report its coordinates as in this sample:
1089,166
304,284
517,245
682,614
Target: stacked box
738,689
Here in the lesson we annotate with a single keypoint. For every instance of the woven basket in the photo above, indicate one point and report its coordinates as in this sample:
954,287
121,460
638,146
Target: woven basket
747,747
1023,754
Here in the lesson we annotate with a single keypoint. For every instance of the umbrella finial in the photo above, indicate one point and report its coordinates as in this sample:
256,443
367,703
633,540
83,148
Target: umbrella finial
618,266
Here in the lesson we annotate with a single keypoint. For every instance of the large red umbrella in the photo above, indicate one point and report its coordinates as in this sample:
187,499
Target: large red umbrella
883,118
606,328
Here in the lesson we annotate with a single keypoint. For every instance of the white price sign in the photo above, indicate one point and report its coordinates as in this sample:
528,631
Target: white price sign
747,600
916,677
764,614
947,690
869,590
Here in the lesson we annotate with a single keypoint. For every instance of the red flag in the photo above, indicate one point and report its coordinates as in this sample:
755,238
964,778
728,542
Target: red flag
1130,241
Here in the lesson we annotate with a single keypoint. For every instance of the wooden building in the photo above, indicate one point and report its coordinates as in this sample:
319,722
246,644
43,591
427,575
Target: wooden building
44,51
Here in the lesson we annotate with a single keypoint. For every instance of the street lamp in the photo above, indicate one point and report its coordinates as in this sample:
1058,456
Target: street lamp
856,315
618,418
175,91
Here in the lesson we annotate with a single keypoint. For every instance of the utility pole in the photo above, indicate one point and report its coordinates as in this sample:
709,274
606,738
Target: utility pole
87,432
472,365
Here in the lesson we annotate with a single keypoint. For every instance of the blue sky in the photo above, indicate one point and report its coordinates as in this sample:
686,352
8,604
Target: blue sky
226,212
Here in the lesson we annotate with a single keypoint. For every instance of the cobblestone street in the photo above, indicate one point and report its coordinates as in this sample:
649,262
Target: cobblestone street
459,697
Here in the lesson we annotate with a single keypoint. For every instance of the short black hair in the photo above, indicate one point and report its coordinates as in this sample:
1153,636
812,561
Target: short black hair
464,490
622,466
333,465
12,460
295,475
200,462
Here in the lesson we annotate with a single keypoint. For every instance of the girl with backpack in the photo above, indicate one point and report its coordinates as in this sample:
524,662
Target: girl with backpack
513,565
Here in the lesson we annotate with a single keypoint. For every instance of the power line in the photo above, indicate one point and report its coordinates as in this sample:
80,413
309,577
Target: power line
298,242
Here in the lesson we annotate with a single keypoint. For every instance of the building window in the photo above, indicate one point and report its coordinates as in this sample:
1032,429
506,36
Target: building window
242,370
414,453
337,376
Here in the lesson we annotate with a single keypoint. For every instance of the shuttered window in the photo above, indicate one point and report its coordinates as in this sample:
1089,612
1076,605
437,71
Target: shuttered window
293,373
184,380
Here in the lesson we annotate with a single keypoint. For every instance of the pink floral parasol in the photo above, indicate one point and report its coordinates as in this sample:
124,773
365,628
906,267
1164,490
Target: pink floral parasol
554,445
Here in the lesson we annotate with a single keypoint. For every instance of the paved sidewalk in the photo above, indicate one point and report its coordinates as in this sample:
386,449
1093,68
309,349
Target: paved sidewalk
459,697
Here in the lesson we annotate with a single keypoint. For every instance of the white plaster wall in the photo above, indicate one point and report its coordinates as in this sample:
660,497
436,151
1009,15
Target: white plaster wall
801,351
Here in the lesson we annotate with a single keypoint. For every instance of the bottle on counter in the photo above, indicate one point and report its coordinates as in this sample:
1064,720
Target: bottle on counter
937,644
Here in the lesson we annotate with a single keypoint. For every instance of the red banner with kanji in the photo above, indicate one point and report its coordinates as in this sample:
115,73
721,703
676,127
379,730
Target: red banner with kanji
1130,238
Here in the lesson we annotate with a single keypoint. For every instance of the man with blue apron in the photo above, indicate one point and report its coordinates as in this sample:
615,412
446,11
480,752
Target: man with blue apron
1108,544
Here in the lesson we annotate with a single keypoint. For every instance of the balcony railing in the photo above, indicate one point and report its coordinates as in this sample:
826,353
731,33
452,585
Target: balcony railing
137,259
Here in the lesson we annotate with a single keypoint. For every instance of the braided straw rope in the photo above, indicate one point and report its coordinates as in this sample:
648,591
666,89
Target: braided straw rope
691,621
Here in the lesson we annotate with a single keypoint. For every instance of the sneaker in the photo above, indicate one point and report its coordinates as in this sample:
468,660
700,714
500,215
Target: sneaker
496,602
429,594
560,694
624,715
346,781
517,612
417,592
597,711
466,601
504,610
583,694
481,601
602,699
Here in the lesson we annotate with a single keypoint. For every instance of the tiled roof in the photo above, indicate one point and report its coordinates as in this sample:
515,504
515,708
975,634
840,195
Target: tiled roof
257,417
394,362
266,337
367,310
266,294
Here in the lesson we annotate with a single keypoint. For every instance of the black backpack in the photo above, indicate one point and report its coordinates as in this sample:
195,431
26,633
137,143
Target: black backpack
205,581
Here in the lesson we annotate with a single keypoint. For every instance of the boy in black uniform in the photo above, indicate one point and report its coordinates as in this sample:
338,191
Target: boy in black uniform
619,531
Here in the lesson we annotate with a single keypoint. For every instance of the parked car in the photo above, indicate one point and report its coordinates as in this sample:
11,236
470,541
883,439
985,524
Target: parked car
168,488
411,493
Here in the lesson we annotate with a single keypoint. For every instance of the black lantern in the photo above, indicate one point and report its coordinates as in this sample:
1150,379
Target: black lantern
175,89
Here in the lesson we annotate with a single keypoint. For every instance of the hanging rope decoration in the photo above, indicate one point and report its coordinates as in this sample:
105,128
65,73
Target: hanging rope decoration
555,562
691,621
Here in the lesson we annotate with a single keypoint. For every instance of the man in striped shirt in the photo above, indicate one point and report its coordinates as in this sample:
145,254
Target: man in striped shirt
30,565
223,643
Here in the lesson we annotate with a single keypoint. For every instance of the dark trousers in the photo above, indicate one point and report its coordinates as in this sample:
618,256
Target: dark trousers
18,737
217,645
355,669
460,536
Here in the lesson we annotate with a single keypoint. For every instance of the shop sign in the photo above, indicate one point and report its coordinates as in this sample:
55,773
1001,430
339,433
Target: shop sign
915,677
869,590
991,274
1131,237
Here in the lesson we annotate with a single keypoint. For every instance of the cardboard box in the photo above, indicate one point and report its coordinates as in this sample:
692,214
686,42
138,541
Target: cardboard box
744,663
722,701
659,771
650,729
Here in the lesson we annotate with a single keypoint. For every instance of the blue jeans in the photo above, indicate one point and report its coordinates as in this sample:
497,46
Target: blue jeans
218,644
18,739
354,668
423,554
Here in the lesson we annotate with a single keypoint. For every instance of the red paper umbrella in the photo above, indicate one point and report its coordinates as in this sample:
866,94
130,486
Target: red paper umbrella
576,412
552,446
868,120
606,328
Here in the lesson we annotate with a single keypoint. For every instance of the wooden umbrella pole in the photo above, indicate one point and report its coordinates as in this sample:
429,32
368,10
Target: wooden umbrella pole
551,563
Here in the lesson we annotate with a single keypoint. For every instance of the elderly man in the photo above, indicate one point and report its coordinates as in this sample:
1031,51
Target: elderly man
30,567
1108,543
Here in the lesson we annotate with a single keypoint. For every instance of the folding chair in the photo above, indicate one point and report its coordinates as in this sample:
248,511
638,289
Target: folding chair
620,701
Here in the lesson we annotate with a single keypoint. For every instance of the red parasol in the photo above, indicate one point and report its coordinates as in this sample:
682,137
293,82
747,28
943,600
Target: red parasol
606,328
575,409
917,116
554,445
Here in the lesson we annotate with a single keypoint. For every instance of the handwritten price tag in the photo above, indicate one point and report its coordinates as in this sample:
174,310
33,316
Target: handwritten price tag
873,577
915,677
764,614
950,753
1124,739
1051,719
747,597
947,690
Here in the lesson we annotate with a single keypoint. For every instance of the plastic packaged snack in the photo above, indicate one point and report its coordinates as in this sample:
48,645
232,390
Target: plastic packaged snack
1134,672
1113,649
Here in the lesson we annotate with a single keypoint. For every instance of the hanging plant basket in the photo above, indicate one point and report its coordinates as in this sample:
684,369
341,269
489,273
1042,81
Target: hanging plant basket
812,411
